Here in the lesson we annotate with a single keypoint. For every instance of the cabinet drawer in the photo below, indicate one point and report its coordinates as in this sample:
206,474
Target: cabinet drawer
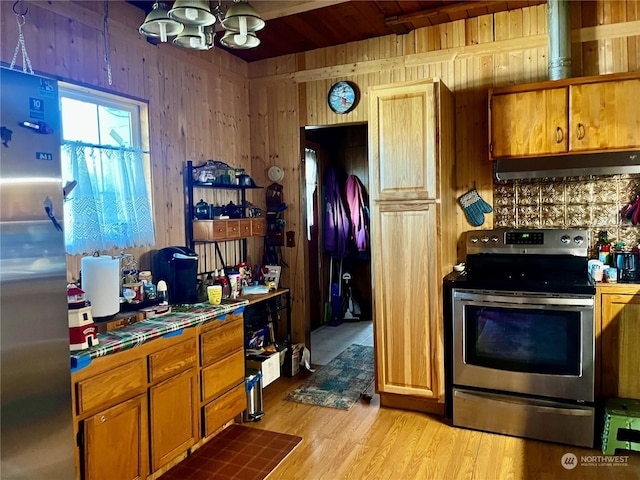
209,230
221,342
245,228
110,387
223,409
257,227
233,228
172,360
223,375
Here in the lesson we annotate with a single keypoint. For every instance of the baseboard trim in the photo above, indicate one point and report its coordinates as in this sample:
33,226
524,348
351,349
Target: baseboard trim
403,402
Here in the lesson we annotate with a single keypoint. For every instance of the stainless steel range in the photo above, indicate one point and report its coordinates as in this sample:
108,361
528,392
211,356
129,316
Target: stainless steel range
522,333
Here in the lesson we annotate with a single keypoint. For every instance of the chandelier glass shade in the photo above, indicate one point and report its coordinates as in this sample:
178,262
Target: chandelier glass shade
192,13
192,24
196,37
159,25
233,39
242,12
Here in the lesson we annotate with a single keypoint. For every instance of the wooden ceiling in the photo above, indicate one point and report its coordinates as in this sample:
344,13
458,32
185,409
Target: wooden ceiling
294,26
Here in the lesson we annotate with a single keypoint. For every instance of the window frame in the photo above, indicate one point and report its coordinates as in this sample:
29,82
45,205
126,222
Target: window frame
140,131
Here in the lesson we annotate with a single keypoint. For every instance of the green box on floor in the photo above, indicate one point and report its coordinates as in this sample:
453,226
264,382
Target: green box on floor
621,425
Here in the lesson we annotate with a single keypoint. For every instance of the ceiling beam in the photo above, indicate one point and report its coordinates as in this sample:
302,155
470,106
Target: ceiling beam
433,12
270,9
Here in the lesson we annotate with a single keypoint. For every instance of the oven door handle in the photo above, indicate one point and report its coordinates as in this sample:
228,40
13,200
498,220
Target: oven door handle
487,298
530,403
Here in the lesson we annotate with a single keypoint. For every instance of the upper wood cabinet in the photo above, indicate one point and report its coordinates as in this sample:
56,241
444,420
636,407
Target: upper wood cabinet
604,116
529,123
403,140
576,115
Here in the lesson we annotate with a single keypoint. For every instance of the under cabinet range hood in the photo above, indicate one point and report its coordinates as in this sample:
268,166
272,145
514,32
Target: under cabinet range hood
612,163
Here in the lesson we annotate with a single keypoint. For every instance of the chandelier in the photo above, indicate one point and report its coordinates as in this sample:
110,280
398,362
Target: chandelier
191,22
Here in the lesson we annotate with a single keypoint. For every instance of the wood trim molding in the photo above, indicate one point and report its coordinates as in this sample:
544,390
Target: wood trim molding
581,35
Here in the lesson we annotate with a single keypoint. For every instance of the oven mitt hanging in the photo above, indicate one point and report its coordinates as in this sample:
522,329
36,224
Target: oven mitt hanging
474,207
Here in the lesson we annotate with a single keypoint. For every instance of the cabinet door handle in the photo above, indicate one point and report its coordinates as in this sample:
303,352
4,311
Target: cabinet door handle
103,419
580,131
559,135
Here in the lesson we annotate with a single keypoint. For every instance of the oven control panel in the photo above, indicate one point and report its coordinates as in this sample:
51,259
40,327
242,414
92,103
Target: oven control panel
529,241
524,238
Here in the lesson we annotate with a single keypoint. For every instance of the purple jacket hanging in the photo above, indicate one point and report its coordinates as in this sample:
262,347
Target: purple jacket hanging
336,228
357,212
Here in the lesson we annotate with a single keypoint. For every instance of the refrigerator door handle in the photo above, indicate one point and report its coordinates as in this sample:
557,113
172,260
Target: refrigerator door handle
48,208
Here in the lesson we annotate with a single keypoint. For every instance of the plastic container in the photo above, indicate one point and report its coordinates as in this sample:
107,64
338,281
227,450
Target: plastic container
253,387
145,277
162,294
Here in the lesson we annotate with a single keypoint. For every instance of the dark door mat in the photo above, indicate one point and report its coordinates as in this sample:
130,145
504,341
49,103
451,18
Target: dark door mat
238,452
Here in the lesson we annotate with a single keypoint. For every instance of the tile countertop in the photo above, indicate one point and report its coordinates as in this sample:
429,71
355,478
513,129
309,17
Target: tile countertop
170,324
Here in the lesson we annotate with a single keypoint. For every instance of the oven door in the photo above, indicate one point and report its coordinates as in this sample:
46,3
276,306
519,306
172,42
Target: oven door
524,342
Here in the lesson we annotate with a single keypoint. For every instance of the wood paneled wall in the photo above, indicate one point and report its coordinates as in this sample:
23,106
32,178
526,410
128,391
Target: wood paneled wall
198,101
470,56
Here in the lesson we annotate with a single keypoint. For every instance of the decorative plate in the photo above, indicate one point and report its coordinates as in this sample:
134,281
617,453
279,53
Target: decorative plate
343,97
275,174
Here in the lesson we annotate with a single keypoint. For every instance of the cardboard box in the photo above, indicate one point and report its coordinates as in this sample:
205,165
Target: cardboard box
292,359
268,364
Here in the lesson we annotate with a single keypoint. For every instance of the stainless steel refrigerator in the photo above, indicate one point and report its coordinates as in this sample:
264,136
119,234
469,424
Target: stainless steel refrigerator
35,391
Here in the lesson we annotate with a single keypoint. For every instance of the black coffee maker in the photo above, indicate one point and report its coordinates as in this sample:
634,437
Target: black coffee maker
627,264
178,267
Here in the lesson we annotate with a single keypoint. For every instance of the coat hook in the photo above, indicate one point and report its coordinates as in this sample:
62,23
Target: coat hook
15,10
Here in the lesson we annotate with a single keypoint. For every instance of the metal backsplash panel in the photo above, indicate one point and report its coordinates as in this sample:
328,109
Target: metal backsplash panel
574,202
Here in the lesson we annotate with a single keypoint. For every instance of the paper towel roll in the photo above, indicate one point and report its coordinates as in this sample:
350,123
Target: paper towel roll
101,284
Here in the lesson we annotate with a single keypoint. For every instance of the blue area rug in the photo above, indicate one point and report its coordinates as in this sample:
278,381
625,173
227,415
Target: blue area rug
341,382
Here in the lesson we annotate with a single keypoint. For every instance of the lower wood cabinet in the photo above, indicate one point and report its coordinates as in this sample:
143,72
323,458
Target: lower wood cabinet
140,411
620,332
222,376
222,362
115,442
218,412
173,421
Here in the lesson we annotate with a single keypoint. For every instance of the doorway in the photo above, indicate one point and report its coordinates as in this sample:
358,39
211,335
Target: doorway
343,281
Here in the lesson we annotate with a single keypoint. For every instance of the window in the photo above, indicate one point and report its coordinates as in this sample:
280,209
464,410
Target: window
105,150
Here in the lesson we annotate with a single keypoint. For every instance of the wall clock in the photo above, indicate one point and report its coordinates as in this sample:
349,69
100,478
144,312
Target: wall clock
343,97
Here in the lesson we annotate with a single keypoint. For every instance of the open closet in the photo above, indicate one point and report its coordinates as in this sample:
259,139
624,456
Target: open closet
337,185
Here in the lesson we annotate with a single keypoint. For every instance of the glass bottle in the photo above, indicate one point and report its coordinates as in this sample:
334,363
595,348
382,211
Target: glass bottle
226,288
604,247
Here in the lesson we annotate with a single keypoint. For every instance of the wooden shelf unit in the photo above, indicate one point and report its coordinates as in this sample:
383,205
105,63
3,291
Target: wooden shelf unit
215,231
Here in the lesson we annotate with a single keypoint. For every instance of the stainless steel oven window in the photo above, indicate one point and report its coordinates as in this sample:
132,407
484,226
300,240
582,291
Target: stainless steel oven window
524,339
476,366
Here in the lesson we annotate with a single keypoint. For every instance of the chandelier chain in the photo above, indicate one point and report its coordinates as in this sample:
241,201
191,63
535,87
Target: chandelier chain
26,62
107,46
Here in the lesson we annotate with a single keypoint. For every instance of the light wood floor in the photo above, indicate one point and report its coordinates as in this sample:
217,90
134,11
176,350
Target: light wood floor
373,443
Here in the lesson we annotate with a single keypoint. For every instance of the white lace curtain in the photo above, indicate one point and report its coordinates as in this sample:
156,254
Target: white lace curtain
110,206
311,174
